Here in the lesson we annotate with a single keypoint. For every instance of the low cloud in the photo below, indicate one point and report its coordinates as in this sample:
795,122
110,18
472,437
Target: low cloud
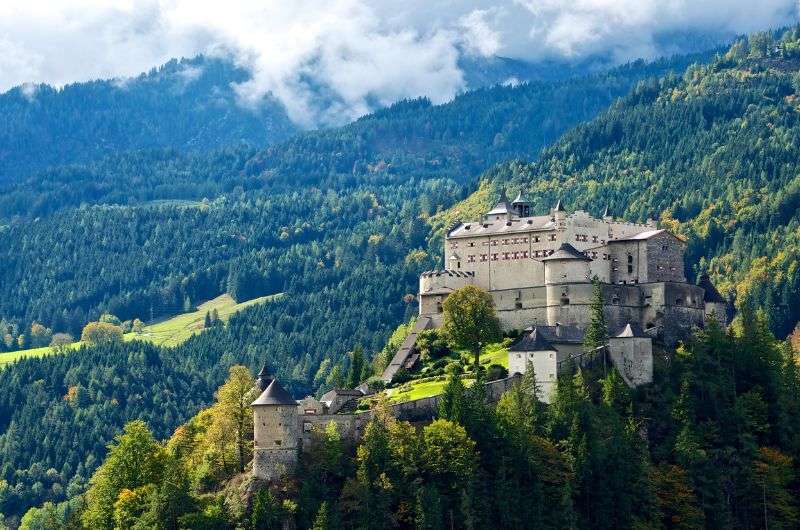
332,61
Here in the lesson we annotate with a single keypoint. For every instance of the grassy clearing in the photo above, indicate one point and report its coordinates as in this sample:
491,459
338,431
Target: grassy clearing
419,389
168,332
491,354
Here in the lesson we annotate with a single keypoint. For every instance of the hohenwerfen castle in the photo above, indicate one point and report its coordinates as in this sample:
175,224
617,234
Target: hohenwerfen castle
538,270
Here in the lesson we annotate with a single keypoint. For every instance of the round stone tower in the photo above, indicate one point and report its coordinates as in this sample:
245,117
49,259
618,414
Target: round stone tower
563,269
276,433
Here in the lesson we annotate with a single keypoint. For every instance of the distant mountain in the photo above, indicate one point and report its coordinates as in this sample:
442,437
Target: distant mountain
188,105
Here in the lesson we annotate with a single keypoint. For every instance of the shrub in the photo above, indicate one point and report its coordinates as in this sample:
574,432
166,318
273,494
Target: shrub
496,372
101,333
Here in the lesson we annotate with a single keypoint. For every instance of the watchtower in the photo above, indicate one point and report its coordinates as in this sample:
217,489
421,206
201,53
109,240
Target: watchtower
276,433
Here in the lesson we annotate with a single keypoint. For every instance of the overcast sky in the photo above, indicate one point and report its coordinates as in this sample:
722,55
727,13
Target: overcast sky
361,50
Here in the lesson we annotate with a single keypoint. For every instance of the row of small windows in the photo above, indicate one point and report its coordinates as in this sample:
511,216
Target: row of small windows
497,256
585,238
509,241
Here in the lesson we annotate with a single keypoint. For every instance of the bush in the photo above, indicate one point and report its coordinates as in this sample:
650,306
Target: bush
496,372
101,333
453,368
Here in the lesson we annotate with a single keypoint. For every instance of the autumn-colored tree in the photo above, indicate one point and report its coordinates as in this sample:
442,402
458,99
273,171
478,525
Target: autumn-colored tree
233,417
101,333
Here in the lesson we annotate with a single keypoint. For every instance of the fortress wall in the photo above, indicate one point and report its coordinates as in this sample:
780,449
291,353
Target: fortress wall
628,262
665,258
350,426
509,272
633,357
567,271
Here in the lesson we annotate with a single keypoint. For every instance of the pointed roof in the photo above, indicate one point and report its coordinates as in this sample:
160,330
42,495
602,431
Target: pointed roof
533,341
559,207
711,294
606,212
275,394
521,199
566,251
502,205
263,372
632,330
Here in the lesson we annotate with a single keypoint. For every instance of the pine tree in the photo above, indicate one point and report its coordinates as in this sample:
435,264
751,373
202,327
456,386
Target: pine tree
207,321
356,367
597,332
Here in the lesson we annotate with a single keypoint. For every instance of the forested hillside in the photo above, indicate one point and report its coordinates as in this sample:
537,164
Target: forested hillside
714,153
335,220
57,272
187,105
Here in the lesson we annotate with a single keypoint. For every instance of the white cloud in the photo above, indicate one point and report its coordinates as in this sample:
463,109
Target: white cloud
356,53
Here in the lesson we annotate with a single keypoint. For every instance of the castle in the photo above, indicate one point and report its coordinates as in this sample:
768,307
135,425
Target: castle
539,272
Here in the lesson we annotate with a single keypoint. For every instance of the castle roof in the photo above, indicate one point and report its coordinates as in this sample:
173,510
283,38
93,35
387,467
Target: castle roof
521,199
264,379
275,394
560,333
606,213
522,225
533,341
559,207
632,330
502,205
711,294
566,252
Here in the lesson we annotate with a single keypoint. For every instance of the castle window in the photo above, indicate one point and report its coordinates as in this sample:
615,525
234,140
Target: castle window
494,257
630,258
471,258
664,248
647,300
679,301
615,300
536,239
630,269
505,241
524,239
518,305
438,307
472,243
506,255
277,442
483,257
650,325
494,243
594,239
565,301
458,265
524,253
552,237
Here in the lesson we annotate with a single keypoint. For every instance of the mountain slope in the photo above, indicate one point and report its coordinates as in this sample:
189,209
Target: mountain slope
333,219
715,154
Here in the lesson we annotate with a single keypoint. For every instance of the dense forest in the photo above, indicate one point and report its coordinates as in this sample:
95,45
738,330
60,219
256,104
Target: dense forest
344,238
712,443
166,249
339,221
188,105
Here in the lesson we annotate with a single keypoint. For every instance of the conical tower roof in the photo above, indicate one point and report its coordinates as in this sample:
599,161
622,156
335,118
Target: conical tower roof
632,330
275,394
559,207
502,205
606,213
521,199
565,252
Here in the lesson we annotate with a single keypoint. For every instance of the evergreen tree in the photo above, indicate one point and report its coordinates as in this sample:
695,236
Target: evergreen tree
596,334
